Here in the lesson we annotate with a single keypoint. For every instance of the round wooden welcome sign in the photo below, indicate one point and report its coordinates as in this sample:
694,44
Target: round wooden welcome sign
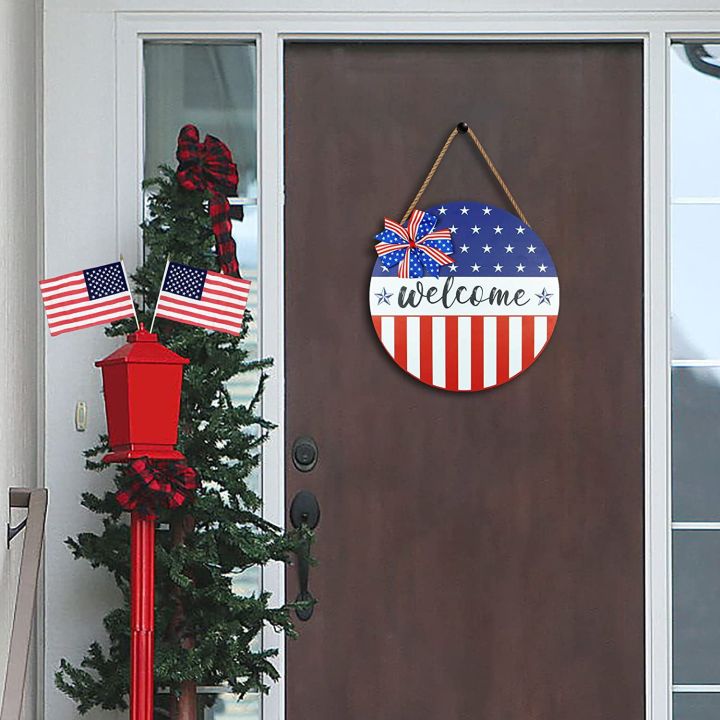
463,296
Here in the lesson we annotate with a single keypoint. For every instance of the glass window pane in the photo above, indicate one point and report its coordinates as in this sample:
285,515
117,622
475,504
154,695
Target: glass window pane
211,85
696,444
695,265
695,333
696,607
696,706
214,86
227,707
695,118
243,387
216,706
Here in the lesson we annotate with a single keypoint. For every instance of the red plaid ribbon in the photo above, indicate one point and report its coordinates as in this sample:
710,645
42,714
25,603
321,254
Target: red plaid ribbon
209,166
157,483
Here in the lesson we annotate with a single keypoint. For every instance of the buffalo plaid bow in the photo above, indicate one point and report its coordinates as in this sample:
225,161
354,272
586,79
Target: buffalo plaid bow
209,166
157,483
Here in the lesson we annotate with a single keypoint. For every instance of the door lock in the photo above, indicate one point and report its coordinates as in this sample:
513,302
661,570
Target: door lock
304,454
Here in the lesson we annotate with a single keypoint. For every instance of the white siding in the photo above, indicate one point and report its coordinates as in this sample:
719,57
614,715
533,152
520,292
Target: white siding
19,243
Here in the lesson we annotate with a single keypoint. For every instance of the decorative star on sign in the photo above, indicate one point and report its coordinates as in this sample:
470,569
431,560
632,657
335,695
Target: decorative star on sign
383,297
544,296
416,248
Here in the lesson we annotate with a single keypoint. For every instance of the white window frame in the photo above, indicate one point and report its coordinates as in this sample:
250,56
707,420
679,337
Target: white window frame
270,28
270,34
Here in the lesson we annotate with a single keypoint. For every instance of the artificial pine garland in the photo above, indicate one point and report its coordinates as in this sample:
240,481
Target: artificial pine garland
205,632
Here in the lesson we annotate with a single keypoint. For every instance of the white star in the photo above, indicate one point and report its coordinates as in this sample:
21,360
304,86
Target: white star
453,267
520,230
497,229
464,248
531,248
475,267
542,267
442,210
521,268
453,229
464,210
486,210
509,248
486,248
385,269
498,267
475,229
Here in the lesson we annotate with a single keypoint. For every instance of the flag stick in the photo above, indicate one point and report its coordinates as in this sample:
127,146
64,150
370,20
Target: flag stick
162,282
122,265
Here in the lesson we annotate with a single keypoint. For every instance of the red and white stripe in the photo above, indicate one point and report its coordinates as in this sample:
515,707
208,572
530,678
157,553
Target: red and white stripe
68,306
434,348
221,306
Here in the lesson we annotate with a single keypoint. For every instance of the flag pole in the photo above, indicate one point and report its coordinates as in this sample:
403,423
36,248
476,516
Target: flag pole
122,265
162,282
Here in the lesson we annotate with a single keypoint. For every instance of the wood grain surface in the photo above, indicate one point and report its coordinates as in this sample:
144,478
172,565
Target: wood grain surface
480,555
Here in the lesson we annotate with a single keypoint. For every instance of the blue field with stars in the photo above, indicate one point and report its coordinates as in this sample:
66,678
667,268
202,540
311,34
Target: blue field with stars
487,242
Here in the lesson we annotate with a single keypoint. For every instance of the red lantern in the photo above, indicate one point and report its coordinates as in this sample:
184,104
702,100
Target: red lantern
142,382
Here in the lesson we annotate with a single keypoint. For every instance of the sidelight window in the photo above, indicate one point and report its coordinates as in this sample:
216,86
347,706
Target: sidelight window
695,331
214,86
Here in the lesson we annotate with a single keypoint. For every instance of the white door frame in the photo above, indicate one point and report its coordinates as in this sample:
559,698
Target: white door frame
121,106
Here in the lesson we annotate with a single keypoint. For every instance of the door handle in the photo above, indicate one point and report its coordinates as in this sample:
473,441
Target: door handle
304,516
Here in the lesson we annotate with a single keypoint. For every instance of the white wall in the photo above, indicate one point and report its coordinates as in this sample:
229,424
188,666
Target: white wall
20,25
80,164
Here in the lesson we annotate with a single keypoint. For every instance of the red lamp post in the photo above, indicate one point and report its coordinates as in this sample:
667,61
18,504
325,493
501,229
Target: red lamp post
142,382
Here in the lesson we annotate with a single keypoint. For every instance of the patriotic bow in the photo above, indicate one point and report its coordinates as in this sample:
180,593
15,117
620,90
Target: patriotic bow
209,166
157,483
415,248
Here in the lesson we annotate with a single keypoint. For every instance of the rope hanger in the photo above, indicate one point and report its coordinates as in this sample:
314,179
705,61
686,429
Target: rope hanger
463,128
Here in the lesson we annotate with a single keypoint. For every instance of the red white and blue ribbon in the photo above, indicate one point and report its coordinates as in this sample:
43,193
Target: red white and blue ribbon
417,248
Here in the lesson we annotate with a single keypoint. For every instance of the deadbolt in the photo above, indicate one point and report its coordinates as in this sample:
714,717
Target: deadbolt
304,454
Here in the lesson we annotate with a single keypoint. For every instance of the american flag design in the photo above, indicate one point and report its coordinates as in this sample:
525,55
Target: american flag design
478,321
204,298
81,299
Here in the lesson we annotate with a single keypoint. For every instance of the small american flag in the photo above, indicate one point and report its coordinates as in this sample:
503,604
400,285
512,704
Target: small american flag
203,298
81,299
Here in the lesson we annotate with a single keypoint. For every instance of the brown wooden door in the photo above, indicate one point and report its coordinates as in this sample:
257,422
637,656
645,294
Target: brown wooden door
480,555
